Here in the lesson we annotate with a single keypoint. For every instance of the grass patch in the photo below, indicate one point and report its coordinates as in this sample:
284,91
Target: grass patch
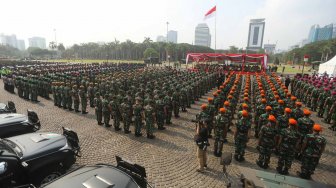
289,69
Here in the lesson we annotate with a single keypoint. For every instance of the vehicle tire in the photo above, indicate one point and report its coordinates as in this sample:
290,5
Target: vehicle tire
36,127
44,176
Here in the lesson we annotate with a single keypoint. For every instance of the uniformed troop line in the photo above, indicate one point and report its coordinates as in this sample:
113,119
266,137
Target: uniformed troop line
280,125
131,95
318,93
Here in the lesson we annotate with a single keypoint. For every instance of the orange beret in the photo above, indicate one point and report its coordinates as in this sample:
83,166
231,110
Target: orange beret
246,99
317,128
222,110
292,121
263,101
288,110
293,98
226,103
215,94
221,87
280,101
271,118
288,94
268,108
306,112
203,106
244,105
244,113
210,99
230,96
298,104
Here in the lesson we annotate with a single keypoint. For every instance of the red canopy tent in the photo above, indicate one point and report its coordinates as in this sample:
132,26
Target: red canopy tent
243,58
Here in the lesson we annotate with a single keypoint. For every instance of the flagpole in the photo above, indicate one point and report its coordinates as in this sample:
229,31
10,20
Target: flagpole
216,29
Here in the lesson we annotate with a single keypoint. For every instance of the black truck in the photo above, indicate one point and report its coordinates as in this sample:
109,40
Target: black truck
37,158
13,124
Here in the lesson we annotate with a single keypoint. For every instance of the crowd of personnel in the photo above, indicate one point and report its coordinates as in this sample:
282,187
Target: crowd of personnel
129,94
281,126
133,94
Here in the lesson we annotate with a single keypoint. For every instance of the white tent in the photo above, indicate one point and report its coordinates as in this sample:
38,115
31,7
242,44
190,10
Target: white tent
328,67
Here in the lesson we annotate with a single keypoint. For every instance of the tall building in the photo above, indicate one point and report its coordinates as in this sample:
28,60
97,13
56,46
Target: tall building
21,45
9,40
313,32
269,48
172,36
325,33
318,33
38,42
202,35
161,38
256,34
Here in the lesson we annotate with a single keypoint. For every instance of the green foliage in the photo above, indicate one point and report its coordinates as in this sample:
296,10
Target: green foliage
10,52
317,51
150,52
129,50
38,52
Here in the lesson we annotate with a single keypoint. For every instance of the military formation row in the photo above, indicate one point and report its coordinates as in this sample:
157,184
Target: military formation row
318,93
281,126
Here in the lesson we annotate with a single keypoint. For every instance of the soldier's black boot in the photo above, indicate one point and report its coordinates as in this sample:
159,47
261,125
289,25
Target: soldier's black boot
241,158
83,112
285,171
279,169
236,157
127,131
117,128
259,163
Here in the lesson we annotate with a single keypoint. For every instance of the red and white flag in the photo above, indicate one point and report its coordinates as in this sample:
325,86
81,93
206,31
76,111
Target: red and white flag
210,13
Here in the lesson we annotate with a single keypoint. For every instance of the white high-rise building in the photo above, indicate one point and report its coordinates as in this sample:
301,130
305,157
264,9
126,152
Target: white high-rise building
38,42
161,38
9,40
21,45
172,36
202,35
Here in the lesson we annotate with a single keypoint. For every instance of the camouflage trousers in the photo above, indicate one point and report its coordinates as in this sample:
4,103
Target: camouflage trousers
169,116
126,122
76,105
240,145
83,104
264,154
309,164
106,115
285,159
160,119
98,114
149,126
137,124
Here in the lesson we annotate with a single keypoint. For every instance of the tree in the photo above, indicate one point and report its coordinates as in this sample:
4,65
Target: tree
150,52
52,45
60,47
233,50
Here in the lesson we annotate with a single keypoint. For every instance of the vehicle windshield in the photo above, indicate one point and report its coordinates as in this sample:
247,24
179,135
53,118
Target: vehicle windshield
11,147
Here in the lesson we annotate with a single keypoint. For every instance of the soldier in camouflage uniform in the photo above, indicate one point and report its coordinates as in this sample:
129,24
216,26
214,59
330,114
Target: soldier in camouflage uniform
211,110
115,113
333,116
126,115
106,111
297,113
168,107
261,109
287,143
221,124
54,92
314,96
241,136
312,149
266,142
69,96
98,109
327,105
176,103
91,94
149,118
138,116
183,99
83,97
75,98
321,100
305,126
160,113
263,119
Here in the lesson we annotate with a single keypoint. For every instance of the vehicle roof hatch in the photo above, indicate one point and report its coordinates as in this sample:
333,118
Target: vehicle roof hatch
39,138
98,182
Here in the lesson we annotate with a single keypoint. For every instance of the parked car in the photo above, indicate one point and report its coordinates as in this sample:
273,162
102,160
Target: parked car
14,124
37,158
7,108
125,174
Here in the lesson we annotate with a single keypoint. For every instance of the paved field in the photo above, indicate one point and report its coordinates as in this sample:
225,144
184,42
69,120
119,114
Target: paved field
170,159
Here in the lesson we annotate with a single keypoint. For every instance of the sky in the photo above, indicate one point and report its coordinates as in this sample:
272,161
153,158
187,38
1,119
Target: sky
81,21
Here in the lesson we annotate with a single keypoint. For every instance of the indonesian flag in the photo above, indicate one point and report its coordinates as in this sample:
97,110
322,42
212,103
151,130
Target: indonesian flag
210,13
